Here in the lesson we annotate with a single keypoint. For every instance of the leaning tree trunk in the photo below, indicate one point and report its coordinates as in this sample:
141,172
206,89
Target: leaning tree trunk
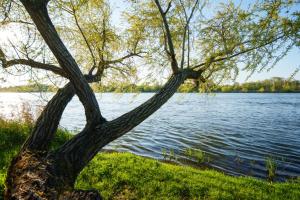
38,173
32,174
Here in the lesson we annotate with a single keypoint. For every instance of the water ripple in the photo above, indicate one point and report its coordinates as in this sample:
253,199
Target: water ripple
237,131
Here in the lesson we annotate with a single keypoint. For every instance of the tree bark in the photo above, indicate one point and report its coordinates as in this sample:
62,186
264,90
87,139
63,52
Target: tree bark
32,176
47,123
78,151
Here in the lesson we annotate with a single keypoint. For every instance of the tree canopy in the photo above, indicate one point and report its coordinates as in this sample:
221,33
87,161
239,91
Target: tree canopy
232,37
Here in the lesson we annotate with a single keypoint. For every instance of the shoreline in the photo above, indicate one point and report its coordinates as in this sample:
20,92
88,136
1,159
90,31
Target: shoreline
129,176
204,166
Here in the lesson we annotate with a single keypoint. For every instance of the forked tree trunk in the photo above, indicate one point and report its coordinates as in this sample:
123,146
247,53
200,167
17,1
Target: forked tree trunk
38,173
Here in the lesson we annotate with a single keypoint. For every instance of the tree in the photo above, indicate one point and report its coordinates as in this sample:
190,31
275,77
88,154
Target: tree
164,33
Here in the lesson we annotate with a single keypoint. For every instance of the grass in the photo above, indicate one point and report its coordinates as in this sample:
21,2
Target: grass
197,155
271,168
127,176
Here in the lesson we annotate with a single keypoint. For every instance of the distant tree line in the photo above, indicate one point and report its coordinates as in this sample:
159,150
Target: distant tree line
125,88
275,85
29,88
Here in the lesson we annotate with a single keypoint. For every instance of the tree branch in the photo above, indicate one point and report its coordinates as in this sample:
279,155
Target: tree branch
168,8
47,123
123,58
128,121
30,63
83,35
186,31
213,60
16,21
39,14
171,51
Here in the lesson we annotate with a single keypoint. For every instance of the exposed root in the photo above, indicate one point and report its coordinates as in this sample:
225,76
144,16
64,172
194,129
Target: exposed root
27,177
31,176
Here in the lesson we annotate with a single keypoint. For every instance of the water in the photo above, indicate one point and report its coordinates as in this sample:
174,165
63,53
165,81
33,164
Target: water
236,131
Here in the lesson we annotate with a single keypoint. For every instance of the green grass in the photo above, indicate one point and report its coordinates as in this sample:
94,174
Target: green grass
127,176
124,175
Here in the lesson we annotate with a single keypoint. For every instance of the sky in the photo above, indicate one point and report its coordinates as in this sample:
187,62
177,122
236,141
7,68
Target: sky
284,68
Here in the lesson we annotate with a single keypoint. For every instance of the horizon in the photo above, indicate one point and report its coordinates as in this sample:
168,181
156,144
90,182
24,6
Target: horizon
154,85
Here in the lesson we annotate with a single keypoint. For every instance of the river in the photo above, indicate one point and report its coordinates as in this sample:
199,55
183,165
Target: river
236,132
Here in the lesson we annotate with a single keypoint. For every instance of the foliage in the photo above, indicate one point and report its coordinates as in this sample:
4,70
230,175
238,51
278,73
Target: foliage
197,155
271,168
168,155
127,176
249,36
275,84
29,88
234,37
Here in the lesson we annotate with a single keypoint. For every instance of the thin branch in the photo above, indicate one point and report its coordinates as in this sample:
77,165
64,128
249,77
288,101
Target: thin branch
186,29
103,39
212,60
83,35
92,70
171,53
165,42
130,55
15,21
30,63
189,49
184,35
168,8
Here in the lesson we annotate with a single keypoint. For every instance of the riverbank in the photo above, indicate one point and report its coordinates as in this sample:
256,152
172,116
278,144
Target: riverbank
273,85
128,176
